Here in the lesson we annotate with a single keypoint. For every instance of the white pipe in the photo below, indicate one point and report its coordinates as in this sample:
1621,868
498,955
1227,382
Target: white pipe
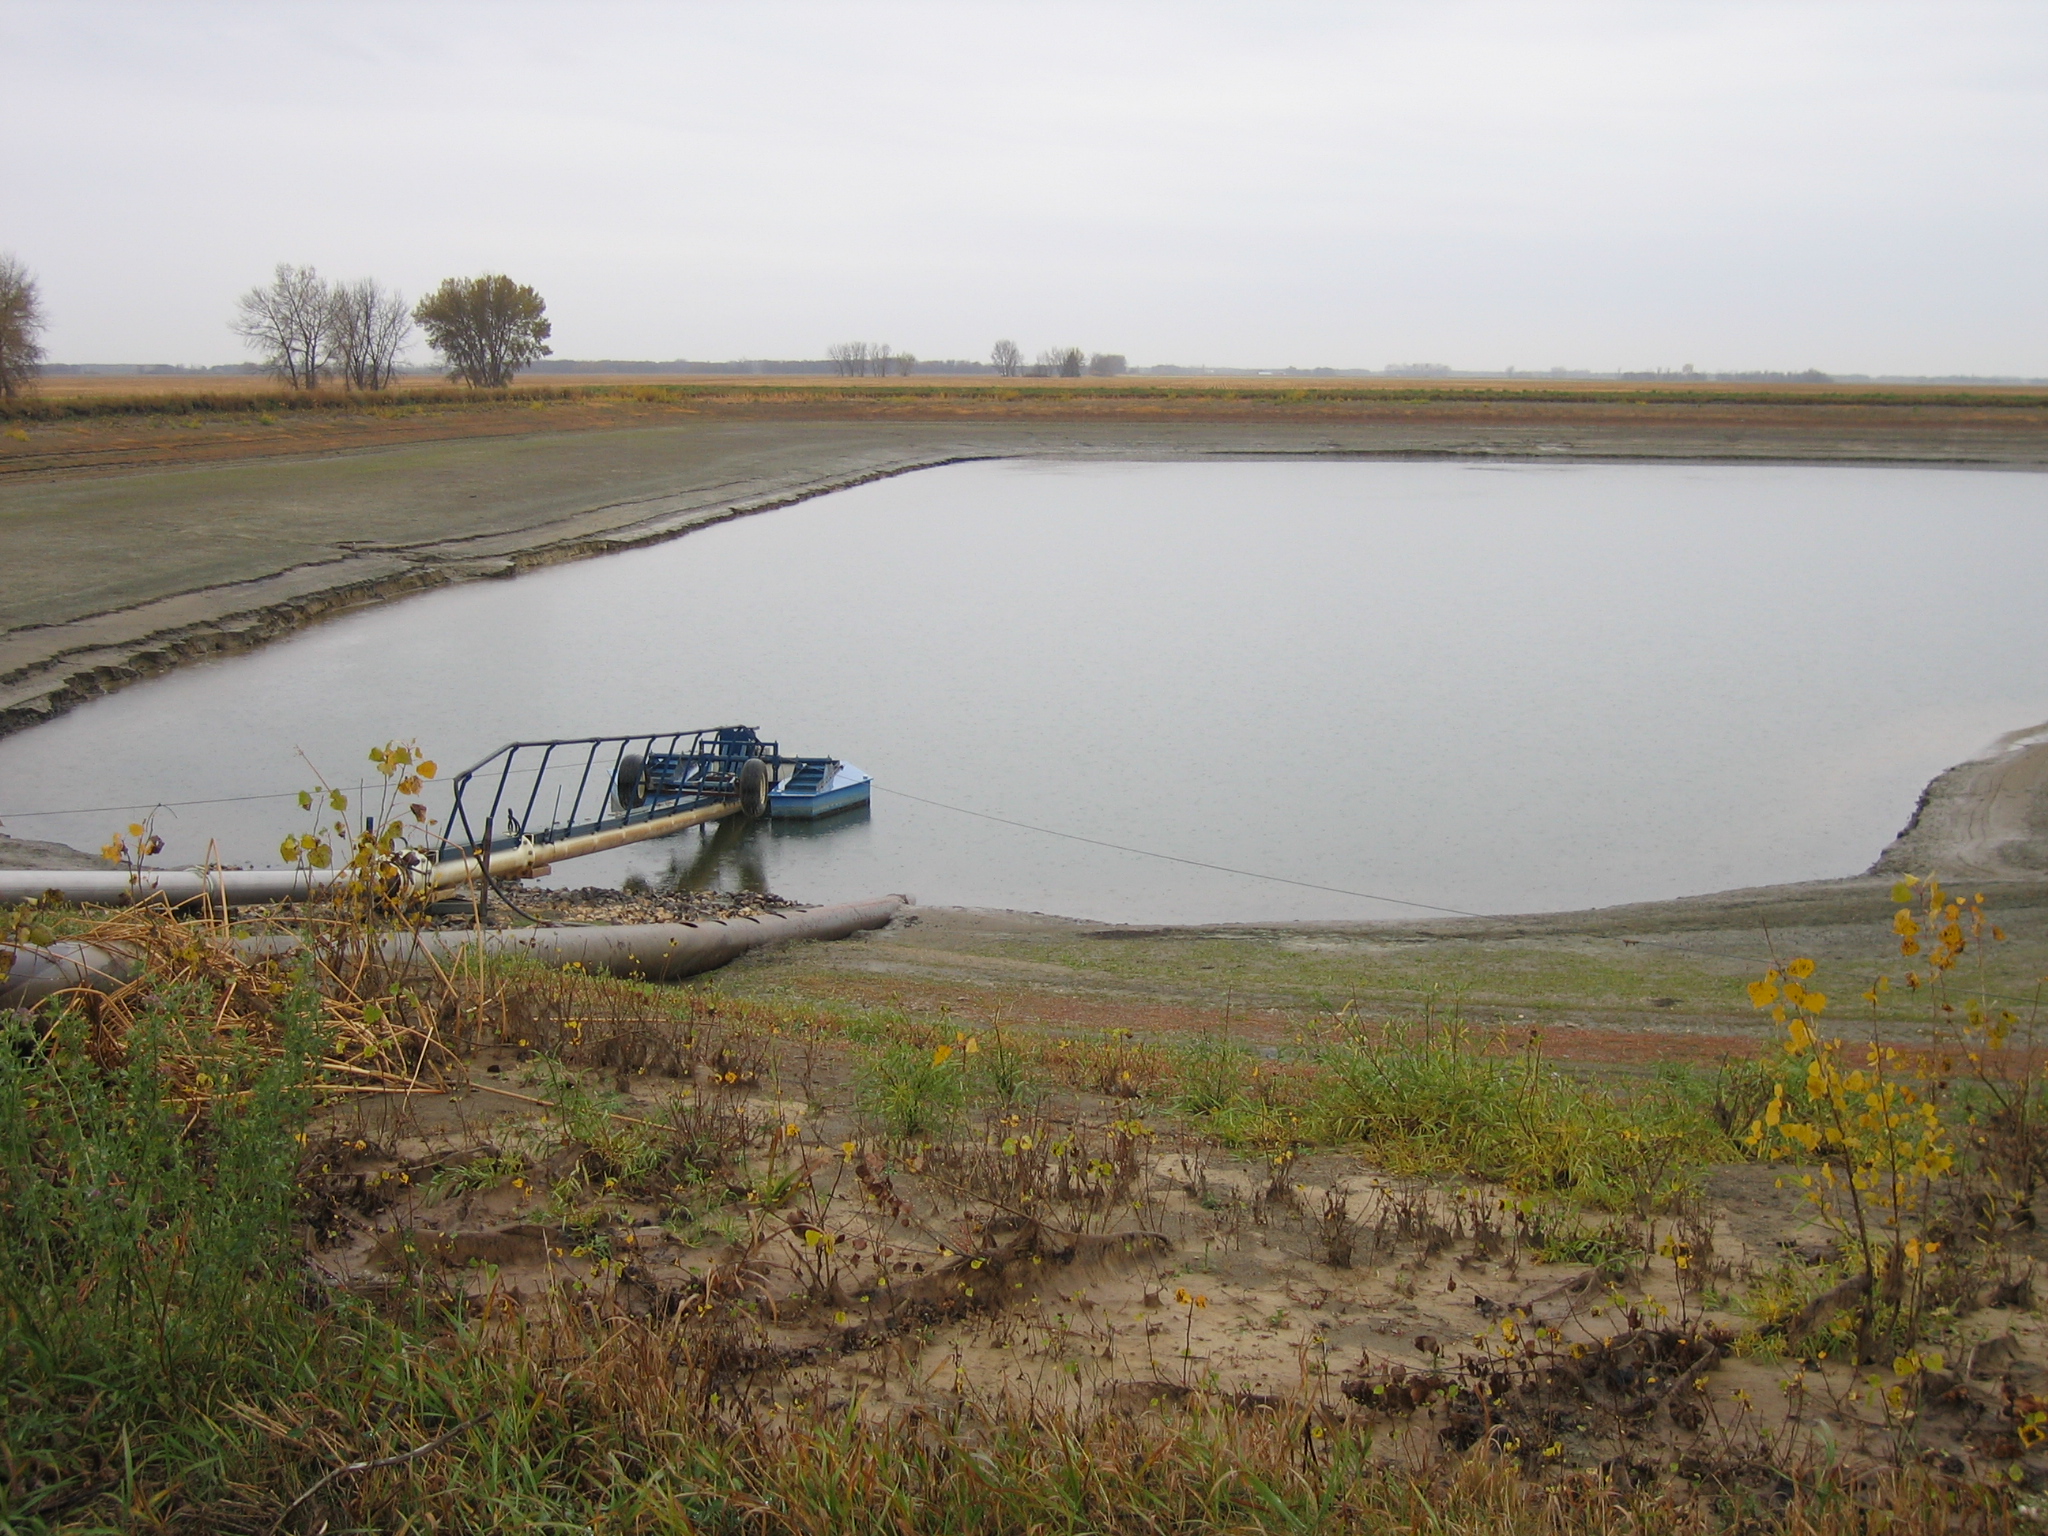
253,887
117,887
649,951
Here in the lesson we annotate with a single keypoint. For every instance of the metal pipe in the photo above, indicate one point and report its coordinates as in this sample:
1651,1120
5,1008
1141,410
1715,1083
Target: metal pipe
527,855
646,951
249,887
117,887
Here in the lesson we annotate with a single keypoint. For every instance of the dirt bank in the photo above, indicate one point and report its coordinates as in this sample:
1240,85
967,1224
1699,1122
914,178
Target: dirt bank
1986,819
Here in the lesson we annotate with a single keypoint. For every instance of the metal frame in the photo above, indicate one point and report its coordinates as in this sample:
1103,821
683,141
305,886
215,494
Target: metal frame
681,770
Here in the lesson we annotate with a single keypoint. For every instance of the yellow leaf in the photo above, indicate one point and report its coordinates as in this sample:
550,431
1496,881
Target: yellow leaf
1902,889
336,800
289,849
426,769
1800,969
942,1055
1762,994
135,829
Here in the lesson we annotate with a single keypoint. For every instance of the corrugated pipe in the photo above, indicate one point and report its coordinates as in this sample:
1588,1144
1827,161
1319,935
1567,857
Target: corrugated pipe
648,951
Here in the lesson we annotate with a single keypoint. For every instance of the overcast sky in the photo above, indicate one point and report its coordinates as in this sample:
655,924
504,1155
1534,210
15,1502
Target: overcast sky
1858,187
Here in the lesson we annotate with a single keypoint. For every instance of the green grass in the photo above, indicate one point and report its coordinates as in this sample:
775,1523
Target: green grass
1429,1101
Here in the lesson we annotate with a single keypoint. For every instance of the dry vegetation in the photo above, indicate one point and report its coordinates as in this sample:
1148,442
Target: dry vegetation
97,424
318,1246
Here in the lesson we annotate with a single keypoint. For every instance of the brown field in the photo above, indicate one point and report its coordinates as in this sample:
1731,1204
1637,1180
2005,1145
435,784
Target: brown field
101,424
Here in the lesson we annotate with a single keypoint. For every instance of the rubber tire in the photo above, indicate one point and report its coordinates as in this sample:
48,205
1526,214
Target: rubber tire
632,781
755,783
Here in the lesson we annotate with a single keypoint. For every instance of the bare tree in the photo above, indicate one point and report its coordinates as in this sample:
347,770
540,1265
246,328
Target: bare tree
1106,365
849,358
906,363
1006,357
290,323
488,328
21,327
370,326
1067,362
880,355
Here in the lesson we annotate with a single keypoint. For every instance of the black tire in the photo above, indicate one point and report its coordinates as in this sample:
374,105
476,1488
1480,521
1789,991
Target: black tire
632,781
755,783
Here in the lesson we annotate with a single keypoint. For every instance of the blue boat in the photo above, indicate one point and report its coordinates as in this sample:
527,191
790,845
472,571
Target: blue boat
819,787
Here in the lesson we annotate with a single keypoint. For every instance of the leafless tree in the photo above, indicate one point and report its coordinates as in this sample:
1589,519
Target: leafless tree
290,323
488,328
1106,365
370,326
906,363
880,356
1006,357
849,358
21,327
1067,362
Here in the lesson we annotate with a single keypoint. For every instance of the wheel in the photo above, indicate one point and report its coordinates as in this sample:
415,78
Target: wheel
755,783
632,783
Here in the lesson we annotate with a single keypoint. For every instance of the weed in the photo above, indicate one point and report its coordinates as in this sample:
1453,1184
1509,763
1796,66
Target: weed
1432,1100
911,1092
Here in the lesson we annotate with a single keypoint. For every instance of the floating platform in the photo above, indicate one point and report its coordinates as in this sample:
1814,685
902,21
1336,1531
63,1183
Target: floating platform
819,788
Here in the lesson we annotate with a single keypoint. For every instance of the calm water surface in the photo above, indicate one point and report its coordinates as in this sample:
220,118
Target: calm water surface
1485,687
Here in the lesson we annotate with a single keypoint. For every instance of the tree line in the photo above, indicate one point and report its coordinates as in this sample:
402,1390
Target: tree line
306,329
1054,362
858,359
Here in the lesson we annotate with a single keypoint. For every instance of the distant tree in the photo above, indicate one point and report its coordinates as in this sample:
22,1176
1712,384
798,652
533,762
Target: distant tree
488,328
849,358
290,323
370,327
1006,357
1067,362
880,356
21,327
906,363
1106,365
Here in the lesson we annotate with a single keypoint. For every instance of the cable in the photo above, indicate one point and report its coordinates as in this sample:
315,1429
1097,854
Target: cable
1337,890
1174,858
145,805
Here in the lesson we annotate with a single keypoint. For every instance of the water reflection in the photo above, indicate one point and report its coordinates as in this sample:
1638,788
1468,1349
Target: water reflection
735,855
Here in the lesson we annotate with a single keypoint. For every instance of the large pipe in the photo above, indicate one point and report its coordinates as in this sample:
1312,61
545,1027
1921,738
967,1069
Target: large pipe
648,951
251,887
117,887
528,856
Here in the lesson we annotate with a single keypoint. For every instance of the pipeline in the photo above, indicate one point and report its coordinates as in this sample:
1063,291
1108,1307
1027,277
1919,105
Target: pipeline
645,951
251,887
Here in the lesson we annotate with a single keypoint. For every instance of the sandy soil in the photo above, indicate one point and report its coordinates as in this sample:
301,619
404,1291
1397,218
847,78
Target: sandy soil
1078,1252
